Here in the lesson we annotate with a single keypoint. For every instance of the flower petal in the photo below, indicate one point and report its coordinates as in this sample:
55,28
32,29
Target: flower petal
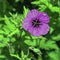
34,31
43,17
44,28
33,14
27,23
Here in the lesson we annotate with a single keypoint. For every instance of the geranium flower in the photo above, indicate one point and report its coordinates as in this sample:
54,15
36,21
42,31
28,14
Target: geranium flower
36,23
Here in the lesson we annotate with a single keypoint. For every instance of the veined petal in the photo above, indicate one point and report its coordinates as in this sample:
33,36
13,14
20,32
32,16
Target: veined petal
44,28
34,31
33,14
26,23
43,17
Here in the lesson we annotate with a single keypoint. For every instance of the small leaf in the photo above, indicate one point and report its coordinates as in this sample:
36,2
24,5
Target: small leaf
16,56
56,38
31,43
37,51
25,11
1,37
2,56
35,2
51,30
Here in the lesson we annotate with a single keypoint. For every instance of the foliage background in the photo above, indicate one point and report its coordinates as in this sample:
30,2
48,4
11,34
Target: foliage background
18,44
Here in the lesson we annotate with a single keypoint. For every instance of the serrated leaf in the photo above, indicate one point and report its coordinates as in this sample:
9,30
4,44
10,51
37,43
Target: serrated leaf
6,30
48,45
25,11
12,33
42,8
9,24
51,45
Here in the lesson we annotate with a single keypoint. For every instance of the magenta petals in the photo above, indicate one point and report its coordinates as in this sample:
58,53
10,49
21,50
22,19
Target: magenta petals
36,23
33,14
43,17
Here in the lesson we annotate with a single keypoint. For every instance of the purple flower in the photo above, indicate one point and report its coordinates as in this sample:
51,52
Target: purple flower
36,23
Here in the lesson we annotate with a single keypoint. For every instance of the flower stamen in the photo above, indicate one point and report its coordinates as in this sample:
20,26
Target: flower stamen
35,23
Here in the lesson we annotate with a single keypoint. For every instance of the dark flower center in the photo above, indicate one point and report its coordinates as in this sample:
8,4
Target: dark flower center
35,23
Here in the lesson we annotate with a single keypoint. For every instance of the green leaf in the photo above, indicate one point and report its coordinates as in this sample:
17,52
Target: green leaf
54,55
56,38
1,37
47,4
51,30
51,45
14,32
2,56
23,56
6,40
42,8
26,10
12,39
2,44
6,30
30,43
11,48
42,43
3,41
1,32
16,56
48,45
35,2
9,24
36,50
